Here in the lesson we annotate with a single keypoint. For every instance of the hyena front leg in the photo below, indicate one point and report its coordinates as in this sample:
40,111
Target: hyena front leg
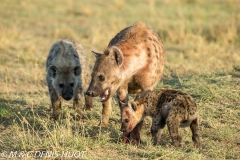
106,112
56,103
78,104
88,102
157,126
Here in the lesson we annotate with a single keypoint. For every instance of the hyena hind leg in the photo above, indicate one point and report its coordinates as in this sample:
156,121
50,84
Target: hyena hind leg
173,130
195,132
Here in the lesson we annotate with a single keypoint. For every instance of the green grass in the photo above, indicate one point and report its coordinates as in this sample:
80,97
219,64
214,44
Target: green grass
201,40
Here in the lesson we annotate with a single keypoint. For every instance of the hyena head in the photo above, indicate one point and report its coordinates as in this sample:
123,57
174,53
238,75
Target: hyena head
129,117
106,75
64,80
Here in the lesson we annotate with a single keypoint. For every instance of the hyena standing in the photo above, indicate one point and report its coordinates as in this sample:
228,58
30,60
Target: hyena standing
67,76
170,107
132,62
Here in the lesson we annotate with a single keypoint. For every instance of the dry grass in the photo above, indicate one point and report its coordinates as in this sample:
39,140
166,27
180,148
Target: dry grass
201,40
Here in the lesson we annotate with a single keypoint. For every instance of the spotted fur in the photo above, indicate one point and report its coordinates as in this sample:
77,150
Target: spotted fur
68,75
171,107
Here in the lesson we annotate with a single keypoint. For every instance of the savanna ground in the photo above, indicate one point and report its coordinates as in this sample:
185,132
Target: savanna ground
202,46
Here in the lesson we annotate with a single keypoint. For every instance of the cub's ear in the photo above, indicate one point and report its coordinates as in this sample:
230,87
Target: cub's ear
133,105
97,55
118,55
77,70
52,71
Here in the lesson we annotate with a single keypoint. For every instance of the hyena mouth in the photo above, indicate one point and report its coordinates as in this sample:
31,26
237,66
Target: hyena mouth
105,95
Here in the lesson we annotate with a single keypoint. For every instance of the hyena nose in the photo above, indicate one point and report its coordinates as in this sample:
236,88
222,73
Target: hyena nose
67,97
89,93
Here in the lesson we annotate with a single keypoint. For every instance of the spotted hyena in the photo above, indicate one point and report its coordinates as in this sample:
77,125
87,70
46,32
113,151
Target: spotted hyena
171,107
131,63
68,75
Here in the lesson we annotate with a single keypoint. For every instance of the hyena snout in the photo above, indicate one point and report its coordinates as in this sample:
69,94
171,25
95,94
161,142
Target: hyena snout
90,93
93,91
67,93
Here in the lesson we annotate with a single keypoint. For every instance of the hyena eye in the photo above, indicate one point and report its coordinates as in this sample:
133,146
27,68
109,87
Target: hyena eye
61,85
101,78
126,120
72,84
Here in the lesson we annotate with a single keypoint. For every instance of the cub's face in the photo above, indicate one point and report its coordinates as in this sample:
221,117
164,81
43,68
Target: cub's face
128,117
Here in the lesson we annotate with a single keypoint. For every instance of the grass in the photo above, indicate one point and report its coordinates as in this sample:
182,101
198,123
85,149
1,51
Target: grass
201,40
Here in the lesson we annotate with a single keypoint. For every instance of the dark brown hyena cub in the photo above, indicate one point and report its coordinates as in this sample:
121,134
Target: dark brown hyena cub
68,76
171,107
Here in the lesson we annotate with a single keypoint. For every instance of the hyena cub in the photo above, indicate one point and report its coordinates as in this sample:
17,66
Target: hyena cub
171,107
68,76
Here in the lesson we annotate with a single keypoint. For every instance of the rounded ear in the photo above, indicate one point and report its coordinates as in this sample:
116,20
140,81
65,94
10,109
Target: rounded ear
52,70
118,55
97,55
77,70
133,105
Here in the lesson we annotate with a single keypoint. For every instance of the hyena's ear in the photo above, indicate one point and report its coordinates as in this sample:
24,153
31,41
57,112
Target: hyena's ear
52,71
133,105
97,55
77,70
118,55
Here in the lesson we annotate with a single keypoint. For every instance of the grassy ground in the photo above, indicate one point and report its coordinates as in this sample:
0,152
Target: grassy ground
201,41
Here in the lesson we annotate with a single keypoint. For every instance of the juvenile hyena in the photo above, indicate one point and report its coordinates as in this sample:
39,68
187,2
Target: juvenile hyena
170,107
68,75
132,62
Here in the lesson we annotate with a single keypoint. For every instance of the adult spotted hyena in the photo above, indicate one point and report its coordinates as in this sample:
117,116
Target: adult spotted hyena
132,63
68,75
170,107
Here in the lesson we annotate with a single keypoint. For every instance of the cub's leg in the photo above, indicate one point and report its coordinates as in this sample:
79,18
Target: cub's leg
173,126
195,132
157,125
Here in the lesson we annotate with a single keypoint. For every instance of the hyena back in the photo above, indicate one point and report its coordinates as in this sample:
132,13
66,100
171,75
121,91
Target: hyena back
67,76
